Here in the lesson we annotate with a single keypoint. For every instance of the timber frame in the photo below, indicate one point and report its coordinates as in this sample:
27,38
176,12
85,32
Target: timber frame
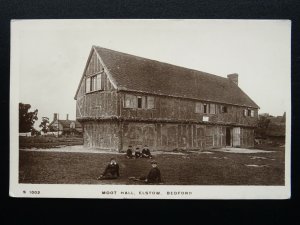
172,122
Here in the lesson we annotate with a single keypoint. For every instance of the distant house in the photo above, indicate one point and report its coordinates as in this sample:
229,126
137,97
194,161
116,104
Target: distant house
125,100
65,126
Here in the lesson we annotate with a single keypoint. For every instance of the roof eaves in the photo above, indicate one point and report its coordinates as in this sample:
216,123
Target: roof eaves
85,68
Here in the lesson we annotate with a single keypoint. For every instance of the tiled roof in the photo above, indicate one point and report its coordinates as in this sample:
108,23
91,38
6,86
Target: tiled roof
135,73
66,123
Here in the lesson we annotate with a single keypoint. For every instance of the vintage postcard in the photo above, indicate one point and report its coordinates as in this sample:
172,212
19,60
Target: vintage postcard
150,109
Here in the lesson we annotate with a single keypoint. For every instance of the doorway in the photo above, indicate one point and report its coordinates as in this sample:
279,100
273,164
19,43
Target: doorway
228,136
236,137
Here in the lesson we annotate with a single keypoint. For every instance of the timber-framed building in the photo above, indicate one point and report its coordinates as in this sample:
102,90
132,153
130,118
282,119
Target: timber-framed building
127,100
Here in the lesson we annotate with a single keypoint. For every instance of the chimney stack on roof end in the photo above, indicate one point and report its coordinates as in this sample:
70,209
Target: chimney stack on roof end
55,116
67,117
234,77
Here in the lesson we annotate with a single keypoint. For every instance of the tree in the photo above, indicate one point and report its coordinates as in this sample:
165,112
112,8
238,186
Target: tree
35,132
262,126
263,121
44,124
26,118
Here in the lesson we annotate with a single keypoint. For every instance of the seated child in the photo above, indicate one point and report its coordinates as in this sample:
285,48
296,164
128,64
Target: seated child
146,152
129,154
111,171
137,153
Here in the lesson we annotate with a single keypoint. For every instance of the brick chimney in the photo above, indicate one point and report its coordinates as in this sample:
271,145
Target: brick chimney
234,77
54,116
67,117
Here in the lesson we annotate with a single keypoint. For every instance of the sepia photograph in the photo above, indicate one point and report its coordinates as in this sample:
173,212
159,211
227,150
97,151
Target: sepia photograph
179,109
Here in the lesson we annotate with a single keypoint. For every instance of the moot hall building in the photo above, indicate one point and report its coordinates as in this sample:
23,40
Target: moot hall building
127,100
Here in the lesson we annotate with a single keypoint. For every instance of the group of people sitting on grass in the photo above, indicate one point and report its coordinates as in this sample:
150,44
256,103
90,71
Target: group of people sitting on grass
112,169
137,153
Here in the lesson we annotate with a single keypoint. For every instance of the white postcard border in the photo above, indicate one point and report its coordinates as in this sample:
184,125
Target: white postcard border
126,191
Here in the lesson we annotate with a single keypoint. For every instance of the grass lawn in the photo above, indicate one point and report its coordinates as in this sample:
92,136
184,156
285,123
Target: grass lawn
48,141
216,168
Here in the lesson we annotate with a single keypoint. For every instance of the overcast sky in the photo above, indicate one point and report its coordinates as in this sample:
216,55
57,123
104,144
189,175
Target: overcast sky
52,54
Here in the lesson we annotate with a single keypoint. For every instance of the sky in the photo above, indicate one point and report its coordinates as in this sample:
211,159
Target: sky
50,55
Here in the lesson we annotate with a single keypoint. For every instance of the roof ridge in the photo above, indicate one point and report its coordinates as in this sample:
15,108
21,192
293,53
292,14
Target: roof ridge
182,67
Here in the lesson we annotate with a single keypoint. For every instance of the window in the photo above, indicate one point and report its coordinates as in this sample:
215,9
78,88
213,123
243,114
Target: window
87,85
150,102
224,109
198,107
130,101
139,103
249,112
205,108
99,82
212,108
93,83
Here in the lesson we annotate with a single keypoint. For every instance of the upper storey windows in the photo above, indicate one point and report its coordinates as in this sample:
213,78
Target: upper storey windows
212,108
207,108
138,102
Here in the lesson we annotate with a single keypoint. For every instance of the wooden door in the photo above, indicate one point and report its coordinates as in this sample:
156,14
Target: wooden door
200,137
236,137
228,136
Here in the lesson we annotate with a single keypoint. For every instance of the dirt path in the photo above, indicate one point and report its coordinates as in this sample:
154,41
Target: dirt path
242,150
81,149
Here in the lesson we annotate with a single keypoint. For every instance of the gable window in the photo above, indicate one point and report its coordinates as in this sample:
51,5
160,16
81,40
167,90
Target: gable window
150,102
88,85
212,108
99,82
252,113
205,108
93,83
198,107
